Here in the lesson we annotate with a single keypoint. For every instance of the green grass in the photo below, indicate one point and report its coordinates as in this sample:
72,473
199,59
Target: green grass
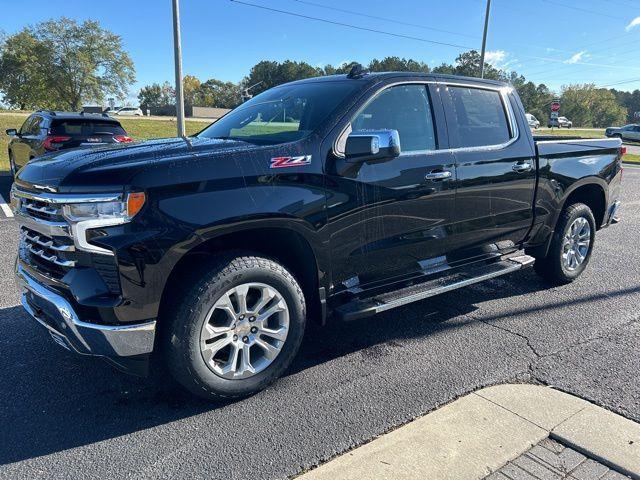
631,158
567,132
138,128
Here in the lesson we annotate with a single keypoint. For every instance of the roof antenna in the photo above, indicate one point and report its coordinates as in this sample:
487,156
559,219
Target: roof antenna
357,71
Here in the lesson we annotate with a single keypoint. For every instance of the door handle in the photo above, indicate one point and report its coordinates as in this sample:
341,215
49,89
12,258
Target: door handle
438,175
522,167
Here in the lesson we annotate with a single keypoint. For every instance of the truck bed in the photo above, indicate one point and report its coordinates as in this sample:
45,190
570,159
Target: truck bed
550,145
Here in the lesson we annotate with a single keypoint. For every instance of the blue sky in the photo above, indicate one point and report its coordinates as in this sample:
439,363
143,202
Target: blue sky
552,41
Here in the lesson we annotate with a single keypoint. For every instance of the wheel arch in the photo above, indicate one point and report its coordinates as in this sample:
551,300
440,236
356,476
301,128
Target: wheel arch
592,191
593,194
283,244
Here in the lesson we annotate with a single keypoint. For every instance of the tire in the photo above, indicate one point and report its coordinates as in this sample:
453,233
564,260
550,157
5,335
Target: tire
207,298
558,267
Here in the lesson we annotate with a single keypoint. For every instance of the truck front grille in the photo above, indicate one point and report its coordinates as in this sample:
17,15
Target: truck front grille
53,257
47,244
42,210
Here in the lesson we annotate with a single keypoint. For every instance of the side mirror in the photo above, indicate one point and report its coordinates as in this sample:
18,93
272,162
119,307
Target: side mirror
367,145
12,132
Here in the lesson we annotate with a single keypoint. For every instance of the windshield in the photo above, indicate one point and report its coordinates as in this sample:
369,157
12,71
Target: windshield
282,114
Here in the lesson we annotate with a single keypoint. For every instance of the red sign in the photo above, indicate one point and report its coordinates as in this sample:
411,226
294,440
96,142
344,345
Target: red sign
555,106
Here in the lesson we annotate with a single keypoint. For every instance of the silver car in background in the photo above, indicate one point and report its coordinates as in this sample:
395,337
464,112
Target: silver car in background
560,122
532,121
628,132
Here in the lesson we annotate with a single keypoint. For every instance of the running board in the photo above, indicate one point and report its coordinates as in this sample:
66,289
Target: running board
367,307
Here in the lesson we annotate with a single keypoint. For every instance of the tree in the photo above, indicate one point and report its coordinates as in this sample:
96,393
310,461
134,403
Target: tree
22,72
630,101
61,63
156,95
589,106
215,93
397,64
267,74
191,89
468,65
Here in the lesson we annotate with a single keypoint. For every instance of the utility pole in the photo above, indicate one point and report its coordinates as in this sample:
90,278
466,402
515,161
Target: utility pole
177,50
484,38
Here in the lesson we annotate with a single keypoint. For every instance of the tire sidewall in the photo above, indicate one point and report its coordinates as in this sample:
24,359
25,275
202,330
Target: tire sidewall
186,338
576,211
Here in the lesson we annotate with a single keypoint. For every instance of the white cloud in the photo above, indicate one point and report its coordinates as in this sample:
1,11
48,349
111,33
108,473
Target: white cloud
576,57
633,23
495,57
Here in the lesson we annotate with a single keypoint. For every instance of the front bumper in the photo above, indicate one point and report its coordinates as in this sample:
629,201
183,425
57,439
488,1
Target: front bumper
114,342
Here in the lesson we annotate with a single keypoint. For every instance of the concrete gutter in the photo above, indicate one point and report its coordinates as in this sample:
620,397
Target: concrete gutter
479,433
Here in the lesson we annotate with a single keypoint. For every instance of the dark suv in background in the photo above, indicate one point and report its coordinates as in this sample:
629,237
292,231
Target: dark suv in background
46,131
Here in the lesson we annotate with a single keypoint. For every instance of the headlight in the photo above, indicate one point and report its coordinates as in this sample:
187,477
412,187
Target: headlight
84,216
121,211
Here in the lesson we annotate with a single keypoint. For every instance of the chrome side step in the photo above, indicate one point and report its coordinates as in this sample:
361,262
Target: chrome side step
462,278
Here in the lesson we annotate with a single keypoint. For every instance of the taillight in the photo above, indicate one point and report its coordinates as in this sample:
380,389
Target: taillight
623,150
54,142
122,138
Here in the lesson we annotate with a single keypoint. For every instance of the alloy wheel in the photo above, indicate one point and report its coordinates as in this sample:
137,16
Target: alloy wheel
575,246
244,331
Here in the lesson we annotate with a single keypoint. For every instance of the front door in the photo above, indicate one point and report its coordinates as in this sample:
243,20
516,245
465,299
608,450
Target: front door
390,218
496,169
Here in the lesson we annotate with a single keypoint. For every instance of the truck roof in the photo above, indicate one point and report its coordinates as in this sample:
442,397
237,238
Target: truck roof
378,76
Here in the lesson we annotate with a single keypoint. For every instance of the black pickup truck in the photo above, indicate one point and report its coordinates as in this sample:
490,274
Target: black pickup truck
340,197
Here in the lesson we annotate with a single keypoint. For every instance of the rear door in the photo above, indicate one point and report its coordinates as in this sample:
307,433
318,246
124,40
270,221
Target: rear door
496,168
388,218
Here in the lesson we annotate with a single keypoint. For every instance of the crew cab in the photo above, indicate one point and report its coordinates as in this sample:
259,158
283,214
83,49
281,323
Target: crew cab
327,198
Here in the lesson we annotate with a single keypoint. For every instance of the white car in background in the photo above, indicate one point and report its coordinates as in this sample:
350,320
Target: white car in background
134,111
533,121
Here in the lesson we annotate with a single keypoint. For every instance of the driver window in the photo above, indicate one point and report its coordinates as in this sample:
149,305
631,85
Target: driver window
27,126
405,108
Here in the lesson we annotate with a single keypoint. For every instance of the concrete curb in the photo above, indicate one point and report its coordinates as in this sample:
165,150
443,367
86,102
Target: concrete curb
479,433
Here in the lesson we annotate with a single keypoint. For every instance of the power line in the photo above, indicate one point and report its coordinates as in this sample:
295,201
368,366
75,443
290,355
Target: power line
585,10
623,82
357,27
588,65
384,19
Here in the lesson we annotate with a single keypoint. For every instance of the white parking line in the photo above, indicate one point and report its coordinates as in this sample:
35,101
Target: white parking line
5,208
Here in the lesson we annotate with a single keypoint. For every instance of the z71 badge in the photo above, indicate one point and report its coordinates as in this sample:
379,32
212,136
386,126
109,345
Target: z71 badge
283,162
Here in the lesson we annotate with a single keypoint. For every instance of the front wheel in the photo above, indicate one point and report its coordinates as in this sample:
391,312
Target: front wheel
236,329
571,246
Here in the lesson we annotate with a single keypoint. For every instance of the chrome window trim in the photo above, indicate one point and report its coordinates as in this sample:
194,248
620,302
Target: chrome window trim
504,91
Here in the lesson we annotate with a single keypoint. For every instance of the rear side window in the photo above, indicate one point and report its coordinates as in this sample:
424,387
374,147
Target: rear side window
479,118
84,128
405,108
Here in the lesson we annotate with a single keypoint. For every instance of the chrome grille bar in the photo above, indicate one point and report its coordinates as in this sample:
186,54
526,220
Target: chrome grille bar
49,243
51,258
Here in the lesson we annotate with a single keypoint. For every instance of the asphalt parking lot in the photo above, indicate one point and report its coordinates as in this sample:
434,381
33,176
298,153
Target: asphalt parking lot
67,417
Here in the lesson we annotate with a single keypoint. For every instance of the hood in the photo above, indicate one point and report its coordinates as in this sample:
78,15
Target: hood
103,168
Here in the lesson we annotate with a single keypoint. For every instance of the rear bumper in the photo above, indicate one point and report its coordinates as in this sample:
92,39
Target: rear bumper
118,343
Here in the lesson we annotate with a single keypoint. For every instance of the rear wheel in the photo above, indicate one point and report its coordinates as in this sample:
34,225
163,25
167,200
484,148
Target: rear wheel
236,329
571,246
